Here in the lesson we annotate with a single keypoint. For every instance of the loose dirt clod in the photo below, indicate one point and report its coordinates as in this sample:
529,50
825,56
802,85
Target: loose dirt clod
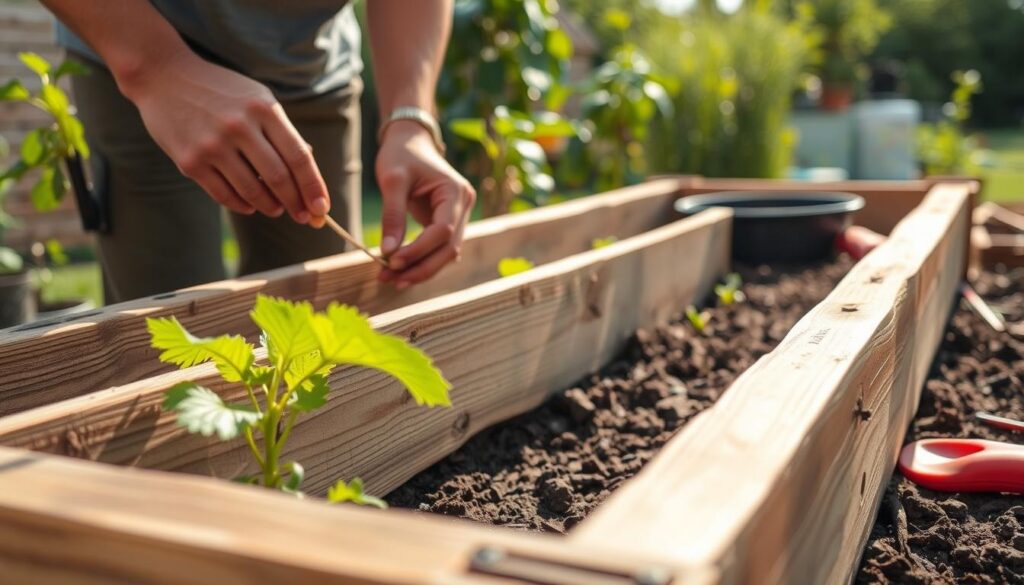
960,538
547,469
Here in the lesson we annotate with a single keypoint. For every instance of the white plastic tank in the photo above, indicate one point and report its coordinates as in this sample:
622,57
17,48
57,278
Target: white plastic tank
884,139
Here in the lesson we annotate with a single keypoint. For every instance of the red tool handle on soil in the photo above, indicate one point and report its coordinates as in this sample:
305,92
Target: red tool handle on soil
999,422
964,465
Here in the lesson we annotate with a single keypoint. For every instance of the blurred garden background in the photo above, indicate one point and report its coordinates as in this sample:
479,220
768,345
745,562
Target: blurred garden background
544,100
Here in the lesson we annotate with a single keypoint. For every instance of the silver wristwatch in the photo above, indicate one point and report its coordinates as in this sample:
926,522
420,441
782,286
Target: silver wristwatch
421,117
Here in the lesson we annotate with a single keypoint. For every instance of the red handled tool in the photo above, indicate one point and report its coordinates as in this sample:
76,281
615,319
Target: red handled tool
964,465
967,465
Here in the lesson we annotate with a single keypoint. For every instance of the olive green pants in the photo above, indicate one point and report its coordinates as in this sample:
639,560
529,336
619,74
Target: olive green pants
166,232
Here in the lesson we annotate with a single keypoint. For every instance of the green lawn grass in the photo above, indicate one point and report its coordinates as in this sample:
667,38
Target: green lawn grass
1003,171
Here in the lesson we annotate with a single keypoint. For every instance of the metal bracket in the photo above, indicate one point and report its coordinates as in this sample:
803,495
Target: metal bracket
523,568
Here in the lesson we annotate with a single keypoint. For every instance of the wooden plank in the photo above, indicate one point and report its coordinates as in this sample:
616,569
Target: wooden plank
110,347
504,345
74,522
991,250
886,202
781,480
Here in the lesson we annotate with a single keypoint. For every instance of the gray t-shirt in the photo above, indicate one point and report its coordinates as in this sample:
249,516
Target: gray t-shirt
298,48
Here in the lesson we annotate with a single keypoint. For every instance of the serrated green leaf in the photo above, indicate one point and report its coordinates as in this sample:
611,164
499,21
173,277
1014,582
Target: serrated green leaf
15,171
74,133
510,266
230,353
305,366
247,479
71,67
55,99
346,337
286,326
475,129
34,147
203,411
519,205
296,474
260,376
311,395
48,191
56,252
13,90
617,19
10,261
529,150
353,492
559,44
36,63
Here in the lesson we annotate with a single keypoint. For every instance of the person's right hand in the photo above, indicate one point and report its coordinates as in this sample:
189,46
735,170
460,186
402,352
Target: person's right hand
228,134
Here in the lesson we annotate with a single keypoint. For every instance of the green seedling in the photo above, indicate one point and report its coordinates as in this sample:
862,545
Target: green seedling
510,266
302,348
729,292
45,148
697,319
598,243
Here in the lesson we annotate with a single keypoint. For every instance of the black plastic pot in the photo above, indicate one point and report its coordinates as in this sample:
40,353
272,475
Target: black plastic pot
16,303
780,227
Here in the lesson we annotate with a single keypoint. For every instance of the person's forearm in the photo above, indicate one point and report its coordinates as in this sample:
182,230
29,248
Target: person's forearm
408,41
131,36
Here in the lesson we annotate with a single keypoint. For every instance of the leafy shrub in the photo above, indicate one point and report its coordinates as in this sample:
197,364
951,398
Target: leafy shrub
943,148
734,77
519,175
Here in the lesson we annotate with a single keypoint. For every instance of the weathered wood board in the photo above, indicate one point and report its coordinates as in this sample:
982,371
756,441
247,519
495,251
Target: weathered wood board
504,345
780,481
41,364
77,523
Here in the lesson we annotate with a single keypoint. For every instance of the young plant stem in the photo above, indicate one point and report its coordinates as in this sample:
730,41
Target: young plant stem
251,440
270,421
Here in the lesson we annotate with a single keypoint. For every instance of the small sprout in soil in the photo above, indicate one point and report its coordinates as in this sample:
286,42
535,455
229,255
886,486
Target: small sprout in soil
353,492
302,348
729,292
599,243
697,319
510,266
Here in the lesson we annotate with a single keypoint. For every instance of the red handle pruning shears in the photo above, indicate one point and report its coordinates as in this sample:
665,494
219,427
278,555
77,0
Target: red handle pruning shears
967,465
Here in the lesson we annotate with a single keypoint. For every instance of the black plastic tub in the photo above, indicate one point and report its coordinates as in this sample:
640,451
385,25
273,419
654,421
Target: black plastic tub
778,226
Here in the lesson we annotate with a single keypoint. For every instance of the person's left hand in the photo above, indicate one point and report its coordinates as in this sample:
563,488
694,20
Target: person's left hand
415,178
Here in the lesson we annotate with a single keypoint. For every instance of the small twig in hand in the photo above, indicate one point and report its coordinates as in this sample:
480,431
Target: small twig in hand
348,238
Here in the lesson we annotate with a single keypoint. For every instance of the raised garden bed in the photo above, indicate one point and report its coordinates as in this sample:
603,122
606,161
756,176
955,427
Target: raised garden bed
778,482
923,536
997,238
549,468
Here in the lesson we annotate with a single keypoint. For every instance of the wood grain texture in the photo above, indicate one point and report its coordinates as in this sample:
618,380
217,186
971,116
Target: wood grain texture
75,522
989,251
886,202
504,345
781,480
110,347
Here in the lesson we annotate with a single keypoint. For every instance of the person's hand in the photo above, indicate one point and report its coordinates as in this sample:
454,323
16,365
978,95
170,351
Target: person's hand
415,178
228,134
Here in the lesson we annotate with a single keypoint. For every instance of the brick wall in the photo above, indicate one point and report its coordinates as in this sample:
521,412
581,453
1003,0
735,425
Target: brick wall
27,26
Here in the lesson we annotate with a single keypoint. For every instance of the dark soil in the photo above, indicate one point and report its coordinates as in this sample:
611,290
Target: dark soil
549,468
922,536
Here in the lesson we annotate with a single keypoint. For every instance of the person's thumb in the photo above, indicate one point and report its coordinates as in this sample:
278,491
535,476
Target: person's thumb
394,186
